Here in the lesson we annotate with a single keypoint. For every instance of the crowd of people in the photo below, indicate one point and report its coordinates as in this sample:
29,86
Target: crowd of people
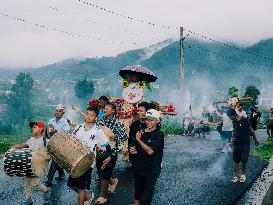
236,128
145,145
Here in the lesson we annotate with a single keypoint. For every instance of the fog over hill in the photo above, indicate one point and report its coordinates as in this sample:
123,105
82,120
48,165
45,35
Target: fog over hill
207,76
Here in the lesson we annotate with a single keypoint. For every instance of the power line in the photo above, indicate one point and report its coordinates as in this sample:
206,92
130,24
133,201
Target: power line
96,22
127,17
224,57
67,33
228,45
171,27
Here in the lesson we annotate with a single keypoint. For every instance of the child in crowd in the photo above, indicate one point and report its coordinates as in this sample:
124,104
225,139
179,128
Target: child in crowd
35,142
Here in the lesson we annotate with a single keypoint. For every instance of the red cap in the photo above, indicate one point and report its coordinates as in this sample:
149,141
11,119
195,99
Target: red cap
40,124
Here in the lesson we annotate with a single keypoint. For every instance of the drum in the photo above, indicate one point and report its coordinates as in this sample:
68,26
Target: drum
70,154
26,162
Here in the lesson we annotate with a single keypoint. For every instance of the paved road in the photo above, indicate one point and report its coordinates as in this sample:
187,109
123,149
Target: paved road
194,172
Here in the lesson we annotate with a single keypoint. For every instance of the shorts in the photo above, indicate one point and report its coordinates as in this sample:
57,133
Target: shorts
270,127
144,189
241,153
82,182
107,172
254,125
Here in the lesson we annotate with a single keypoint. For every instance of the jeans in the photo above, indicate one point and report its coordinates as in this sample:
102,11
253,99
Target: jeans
53,168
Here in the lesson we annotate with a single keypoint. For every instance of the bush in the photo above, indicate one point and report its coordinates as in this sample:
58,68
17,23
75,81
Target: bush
172,126
4,146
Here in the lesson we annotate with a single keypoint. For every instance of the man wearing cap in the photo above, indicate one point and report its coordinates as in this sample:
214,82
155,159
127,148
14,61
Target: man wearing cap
148,148
34,143
60,124
241,143
254,117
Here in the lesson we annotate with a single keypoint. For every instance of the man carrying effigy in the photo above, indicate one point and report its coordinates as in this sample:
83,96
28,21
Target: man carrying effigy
107,182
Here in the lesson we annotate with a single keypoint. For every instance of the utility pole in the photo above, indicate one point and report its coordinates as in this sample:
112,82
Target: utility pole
182,72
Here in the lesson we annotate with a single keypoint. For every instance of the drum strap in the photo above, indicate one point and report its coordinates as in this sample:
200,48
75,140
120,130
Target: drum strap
77,129
44,139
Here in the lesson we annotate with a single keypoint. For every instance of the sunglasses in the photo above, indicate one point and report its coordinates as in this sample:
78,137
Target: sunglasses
59,110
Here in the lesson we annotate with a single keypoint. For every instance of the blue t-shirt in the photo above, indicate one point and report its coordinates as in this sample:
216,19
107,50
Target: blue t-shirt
101,114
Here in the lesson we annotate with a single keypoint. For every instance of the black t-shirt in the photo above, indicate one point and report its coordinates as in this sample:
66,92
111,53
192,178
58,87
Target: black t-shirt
242,131
136,126
150,164
254,116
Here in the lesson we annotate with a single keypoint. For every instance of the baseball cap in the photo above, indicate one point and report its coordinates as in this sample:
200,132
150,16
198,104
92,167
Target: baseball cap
152,114
40,124
231,112
60,107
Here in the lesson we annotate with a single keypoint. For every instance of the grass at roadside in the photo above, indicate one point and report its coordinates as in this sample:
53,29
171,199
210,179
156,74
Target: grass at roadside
7,141
172,125
4,146
265,151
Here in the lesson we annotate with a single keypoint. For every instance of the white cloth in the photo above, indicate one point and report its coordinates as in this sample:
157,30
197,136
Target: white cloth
60,125
91,137
35,143
227,123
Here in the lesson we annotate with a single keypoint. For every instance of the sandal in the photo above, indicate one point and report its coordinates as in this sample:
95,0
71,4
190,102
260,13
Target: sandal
101,200
112,187
27,202
235,179
242,178
89,201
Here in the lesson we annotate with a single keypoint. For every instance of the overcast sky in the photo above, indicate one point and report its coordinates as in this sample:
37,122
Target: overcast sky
24,44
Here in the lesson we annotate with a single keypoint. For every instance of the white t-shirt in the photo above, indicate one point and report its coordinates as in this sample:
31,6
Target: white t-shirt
90,137
227,123
35,143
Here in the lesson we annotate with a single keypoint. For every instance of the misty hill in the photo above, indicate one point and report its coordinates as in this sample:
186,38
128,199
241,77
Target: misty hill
209,67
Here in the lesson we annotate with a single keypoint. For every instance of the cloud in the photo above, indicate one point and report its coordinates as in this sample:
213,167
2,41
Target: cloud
24,44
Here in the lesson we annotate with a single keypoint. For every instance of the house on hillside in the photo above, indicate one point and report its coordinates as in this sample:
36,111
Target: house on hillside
3,108
266,97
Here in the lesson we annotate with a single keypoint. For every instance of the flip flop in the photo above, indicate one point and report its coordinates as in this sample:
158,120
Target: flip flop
101,200
235,179
89,201
112,187
242,178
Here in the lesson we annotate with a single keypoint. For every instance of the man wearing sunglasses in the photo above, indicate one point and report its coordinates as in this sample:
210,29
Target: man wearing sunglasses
60,124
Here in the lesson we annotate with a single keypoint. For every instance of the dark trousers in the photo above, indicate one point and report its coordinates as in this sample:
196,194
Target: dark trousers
144,189
53,168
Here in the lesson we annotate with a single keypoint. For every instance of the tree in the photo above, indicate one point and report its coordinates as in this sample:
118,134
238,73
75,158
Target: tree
232,91
252,91
19,101
84,89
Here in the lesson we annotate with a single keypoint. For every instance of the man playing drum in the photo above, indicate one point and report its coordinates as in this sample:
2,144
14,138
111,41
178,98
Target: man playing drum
33,143
60,124
89,134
